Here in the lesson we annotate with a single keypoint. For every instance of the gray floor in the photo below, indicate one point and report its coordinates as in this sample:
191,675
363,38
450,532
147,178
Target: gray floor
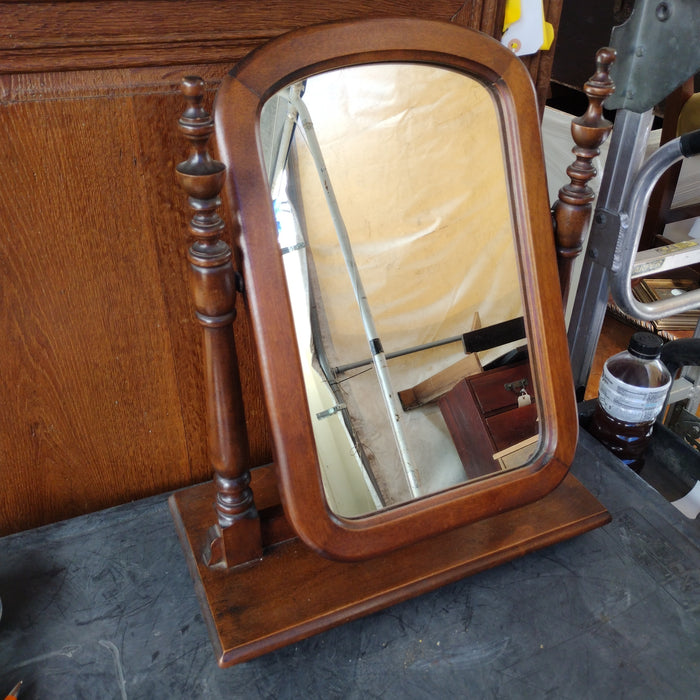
103,607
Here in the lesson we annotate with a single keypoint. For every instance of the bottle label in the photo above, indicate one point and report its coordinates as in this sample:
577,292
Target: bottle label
628,403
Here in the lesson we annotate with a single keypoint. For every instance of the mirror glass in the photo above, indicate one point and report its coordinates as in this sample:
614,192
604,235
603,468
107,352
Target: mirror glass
394,222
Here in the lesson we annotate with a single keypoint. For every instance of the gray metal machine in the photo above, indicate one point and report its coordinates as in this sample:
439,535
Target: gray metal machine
657,51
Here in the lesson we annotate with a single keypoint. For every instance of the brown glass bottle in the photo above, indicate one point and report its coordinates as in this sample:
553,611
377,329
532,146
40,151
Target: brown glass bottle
632,392
627,441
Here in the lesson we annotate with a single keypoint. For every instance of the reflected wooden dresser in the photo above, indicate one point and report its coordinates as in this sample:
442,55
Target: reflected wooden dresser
488,414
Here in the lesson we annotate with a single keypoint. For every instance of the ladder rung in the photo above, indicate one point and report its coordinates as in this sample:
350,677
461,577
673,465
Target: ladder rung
667,257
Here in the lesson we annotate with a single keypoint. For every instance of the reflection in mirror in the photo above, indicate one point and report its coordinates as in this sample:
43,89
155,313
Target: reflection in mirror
394,219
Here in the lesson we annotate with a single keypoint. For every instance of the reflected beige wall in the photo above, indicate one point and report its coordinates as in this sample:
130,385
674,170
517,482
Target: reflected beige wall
415,158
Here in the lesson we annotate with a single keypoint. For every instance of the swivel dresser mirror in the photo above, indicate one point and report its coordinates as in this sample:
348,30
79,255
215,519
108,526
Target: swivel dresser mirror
402,273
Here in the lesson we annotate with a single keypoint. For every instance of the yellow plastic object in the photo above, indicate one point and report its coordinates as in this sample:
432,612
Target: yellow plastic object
521,38
548,35
512,13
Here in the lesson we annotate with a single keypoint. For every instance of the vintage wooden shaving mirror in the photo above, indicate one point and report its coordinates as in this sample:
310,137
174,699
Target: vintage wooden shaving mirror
364,295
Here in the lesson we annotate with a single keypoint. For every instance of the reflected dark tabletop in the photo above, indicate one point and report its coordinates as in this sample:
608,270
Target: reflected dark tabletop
103,606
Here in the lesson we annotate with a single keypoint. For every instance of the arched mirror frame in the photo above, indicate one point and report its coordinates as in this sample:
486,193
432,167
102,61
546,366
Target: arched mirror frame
239,102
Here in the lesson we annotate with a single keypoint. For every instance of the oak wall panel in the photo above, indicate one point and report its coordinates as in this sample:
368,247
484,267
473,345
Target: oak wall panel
91,399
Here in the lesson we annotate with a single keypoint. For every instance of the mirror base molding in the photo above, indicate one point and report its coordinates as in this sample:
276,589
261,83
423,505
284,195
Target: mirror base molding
305,593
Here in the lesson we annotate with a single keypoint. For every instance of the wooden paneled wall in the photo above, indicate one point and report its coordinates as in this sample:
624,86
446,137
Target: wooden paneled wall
99,351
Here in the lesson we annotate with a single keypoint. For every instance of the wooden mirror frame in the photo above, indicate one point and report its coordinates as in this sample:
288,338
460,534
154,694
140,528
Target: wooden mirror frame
259,584
239,102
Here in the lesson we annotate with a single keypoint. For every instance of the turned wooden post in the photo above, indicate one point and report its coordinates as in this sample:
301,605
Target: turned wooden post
572,211
235,536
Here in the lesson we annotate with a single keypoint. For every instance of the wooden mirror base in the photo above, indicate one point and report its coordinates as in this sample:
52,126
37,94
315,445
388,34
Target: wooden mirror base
293,593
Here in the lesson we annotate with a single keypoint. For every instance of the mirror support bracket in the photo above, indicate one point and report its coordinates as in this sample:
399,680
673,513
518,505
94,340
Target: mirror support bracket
235,538
602,240
571,212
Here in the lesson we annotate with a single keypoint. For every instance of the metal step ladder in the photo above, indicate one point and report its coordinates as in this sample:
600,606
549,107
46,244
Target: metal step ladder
644,76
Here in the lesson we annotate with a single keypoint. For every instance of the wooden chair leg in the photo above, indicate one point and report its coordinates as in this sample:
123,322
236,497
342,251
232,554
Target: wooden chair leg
572,210
235,536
